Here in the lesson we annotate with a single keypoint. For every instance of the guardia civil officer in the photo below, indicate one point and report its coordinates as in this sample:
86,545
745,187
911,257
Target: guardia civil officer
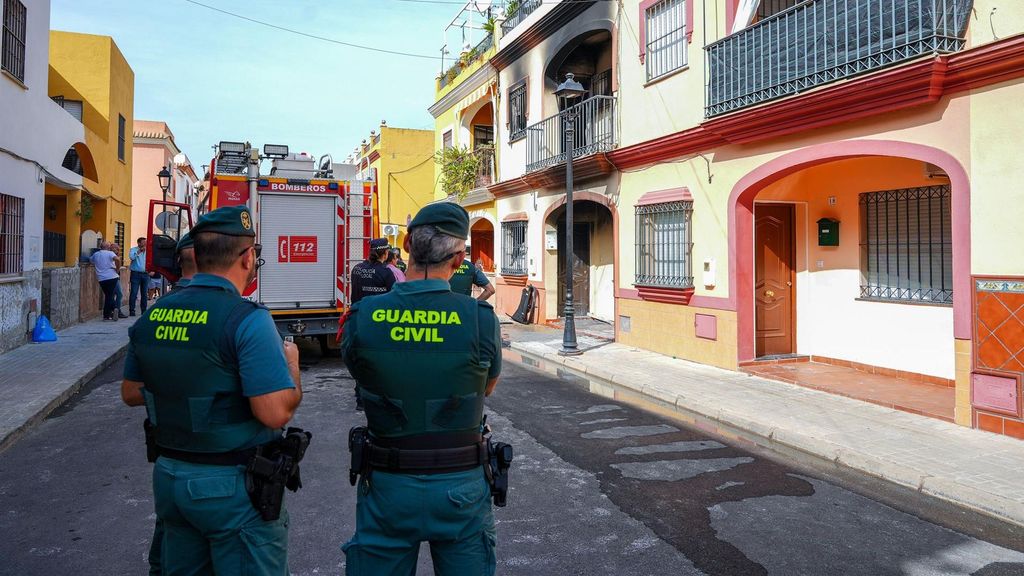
218,386
187,261
468,275
372,276
423,479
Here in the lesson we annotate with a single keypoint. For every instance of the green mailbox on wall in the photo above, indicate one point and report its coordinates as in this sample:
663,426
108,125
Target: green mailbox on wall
828,232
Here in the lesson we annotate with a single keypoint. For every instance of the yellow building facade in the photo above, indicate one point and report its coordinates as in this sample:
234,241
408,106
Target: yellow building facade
463,111
93,80
401,161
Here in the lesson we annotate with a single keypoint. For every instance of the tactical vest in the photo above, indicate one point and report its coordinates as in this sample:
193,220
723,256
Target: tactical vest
185,347
417,360
462,280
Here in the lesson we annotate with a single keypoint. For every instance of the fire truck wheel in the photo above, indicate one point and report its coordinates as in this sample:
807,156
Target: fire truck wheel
329,346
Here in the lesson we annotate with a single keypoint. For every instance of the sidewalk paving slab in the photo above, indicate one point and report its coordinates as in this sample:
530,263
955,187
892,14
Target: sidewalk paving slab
970,468
36,379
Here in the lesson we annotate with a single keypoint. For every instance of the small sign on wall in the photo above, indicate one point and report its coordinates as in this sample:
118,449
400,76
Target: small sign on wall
551,240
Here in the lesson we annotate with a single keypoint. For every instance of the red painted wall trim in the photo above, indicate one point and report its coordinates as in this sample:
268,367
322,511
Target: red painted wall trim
515,217
741,223
642,24
681,194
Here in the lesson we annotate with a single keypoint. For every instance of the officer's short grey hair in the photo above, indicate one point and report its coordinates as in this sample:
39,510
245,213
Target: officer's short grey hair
428,246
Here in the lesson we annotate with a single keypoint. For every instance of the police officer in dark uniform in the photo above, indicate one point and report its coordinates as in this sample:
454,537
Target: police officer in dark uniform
423,478
372,276
468,275
218,386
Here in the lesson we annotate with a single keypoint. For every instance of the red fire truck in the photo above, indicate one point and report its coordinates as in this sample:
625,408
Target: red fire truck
313,220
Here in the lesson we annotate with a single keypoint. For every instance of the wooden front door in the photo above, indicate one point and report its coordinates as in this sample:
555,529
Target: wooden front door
581,268
482,252
774,294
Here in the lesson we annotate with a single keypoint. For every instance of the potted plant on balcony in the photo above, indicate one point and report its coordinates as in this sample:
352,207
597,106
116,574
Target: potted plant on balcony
458,171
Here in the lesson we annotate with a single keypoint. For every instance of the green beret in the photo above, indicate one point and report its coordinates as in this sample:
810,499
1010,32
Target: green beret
230,221
448,217
185,242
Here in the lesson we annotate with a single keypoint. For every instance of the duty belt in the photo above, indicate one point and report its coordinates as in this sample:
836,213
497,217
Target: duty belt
235,458
427,461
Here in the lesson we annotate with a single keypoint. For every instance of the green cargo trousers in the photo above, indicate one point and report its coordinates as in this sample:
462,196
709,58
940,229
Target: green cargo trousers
398,511
211,527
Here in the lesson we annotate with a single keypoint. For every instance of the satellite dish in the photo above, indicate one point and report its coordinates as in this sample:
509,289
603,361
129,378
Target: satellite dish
180,159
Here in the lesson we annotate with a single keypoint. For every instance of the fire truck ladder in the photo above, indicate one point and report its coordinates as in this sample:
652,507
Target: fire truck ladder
358,208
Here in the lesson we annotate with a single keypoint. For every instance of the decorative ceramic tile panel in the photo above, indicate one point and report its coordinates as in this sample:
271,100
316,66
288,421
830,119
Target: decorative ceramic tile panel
999,324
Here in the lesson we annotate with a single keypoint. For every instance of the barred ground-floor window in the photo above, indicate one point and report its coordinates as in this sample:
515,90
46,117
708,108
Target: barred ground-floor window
907,245
513,248
664,245
12,235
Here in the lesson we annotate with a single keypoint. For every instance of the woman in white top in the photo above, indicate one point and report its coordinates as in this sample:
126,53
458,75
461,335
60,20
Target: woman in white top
107,264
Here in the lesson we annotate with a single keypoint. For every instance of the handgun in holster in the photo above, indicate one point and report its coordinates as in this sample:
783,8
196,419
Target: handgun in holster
274,467
359,450
152,452
499,460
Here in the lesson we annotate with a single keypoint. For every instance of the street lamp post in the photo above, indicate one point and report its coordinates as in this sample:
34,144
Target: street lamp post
165,181
569,91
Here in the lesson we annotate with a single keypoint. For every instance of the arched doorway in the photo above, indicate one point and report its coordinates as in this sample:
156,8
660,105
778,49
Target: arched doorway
856,255
593,271
481,239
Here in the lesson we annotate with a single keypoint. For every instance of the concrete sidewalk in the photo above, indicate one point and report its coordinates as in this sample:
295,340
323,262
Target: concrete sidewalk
970,468
35,379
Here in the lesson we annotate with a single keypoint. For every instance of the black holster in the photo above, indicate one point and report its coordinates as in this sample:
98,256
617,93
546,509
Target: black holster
274,467
499,460
152,452
359,451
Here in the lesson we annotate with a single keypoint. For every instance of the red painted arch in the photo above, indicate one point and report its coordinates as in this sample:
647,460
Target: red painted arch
741,223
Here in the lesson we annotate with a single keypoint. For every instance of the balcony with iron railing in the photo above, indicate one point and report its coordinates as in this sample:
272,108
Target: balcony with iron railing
593,132
821,41
517,12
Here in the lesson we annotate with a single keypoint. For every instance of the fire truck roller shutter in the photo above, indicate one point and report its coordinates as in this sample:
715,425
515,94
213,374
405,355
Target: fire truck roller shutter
300,249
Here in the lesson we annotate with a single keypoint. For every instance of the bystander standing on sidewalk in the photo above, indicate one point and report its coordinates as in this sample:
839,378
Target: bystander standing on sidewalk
107,263
139,278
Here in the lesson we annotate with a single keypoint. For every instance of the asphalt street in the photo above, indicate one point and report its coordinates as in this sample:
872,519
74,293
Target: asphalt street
598,487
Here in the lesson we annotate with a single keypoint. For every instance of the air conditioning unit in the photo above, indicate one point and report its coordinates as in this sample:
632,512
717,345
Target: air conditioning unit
390,229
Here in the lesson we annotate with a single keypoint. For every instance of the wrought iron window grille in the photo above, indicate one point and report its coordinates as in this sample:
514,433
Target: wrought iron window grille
664,245
907,245
12,44
12,235
666,38
513,248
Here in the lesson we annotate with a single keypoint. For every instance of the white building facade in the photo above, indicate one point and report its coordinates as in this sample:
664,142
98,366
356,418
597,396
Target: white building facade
36,134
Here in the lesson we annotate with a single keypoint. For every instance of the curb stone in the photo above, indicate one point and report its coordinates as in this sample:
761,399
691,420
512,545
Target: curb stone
13,436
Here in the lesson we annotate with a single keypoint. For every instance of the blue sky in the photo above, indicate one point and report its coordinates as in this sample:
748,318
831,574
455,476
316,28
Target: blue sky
213,77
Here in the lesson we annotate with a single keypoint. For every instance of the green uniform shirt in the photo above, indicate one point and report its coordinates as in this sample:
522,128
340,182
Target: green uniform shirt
465,277
422,356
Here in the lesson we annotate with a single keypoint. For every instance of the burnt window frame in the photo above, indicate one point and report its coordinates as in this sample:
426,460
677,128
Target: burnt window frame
518,110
